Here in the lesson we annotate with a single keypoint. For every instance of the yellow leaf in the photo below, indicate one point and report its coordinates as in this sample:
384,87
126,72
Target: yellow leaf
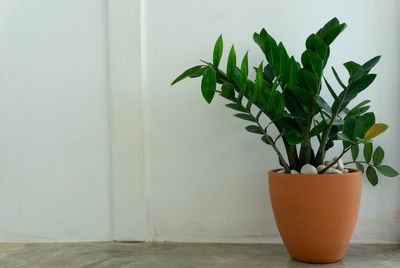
375,130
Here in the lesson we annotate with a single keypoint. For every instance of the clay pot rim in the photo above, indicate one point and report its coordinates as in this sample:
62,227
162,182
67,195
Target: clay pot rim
352,171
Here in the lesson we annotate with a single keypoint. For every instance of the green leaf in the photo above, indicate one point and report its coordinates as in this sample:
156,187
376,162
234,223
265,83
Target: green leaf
312,62
360,167
332,33
371,175
244,69
308,80
259,83
363,141
378,156
368,148
375,130
228,91
355,149
338,78
387,171
352,68
317,45
192,72
304,96
281,59
329,25
348,129
236,107
293,68
335,97
358,109
270,46
209,84
268,74
323,104
363,124
254,129
217,54
366,67
264,139
362,83
231,65
341,136
245,117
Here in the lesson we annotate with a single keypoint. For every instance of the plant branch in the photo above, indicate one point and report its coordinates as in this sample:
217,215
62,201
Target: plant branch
305,150
321,150
360,162
337,159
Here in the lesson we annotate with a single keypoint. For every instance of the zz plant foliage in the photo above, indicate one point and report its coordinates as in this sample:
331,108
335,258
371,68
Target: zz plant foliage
287,92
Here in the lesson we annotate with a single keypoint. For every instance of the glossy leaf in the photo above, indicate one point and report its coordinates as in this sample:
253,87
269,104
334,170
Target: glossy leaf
254,129
355,149
360,167
375,130
312,62
236,107
329,25
362,83
264,139
267,44
387,171
368,148
208,84
333,94
372,176
228,91
332,33
244,69
280,61
308,80
217,54
352,68
245,117
341,136
323,104
192,72
231,65
378,156
317,45
363,124
338,78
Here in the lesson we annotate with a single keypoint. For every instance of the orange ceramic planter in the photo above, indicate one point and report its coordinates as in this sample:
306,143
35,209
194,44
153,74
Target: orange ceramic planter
315,214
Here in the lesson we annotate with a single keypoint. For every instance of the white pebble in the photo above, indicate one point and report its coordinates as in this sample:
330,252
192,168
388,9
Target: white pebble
333,171
308,169
339,163
320,168
327,163
293,171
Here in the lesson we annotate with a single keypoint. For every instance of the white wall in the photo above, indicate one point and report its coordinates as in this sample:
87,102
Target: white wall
207,175
54,118
177,168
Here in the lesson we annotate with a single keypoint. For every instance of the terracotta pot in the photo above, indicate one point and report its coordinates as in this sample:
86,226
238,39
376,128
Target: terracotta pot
315,214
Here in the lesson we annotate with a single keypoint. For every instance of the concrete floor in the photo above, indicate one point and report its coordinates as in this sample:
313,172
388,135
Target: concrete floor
114,254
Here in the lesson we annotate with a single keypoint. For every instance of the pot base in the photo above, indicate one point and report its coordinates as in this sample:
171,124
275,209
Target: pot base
315,214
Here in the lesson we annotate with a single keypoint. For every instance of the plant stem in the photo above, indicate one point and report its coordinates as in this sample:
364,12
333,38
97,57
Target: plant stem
319,159
337,159
360,162
305,150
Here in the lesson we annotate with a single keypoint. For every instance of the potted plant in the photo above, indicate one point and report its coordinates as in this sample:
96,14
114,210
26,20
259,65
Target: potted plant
315,201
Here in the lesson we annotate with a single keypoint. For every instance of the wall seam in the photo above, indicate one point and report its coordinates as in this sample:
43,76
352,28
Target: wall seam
145,126
110,124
